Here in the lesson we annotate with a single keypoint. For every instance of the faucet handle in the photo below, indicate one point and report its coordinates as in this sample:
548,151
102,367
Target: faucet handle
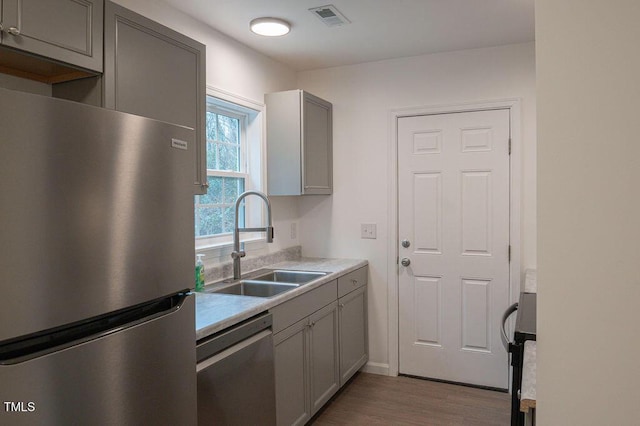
238,254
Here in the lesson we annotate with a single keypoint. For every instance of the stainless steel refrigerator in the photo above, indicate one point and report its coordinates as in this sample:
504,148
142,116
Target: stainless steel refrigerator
96,260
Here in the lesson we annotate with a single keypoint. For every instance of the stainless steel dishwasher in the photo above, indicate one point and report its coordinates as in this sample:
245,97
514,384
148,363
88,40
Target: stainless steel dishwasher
236,379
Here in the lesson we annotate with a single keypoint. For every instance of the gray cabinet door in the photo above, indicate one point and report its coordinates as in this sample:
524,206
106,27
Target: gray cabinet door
153,71
284,168
317,145
292,374
323,350
354,344
299,144
65,30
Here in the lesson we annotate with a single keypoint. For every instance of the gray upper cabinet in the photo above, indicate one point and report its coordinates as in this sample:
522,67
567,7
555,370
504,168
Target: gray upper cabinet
299,144
153,71
69,31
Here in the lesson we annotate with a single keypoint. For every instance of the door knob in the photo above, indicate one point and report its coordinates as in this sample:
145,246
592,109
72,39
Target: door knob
405,243
405,261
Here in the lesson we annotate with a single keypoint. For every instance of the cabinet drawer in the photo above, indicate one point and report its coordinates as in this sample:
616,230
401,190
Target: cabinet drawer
295,309
352,281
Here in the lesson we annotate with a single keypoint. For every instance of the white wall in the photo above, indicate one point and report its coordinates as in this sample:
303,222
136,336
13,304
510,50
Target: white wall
363,96
588,68
234,68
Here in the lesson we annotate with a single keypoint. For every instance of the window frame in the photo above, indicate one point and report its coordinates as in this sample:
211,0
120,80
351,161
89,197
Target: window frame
250,114
243,173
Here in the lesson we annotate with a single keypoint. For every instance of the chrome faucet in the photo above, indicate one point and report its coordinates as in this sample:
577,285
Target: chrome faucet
237,254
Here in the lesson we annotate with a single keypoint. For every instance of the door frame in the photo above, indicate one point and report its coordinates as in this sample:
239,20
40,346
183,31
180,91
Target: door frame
515,184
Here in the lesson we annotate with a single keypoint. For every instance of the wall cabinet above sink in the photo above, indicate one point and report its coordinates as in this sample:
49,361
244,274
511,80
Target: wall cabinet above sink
299,144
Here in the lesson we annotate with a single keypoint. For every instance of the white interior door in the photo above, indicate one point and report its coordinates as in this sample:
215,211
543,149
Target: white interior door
453,177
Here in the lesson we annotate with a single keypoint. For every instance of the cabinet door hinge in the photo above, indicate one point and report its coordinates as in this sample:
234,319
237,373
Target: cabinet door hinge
509,146
509,253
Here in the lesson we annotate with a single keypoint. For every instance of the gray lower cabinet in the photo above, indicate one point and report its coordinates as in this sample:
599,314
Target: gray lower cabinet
307,366
320,342
299,144
354,344
156,72
323,350
291,354
69,31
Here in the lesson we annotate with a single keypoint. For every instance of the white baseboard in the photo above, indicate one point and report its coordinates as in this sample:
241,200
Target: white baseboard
376,368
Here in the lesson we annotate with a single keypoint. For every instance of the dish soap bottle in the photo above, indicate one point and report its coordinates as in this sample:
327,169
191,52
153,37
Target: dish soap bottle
199,273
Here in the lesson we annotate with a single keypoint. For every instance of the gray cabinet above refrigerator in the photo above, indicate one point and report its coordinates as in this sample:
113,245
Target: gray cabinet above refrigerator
69,31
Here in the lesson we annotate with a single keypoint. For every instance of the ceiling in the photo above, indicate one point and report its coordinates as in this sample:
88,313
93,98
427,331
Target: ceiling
379,29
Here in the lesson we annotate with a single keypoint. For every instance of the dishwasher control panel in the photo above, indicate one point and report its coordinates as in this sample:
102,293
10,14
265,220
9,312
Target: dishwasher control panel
217,342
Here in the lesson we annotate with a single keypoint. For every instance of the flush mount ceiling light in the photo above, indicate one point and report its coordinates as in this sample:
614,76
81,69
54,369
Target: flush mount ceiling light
270,27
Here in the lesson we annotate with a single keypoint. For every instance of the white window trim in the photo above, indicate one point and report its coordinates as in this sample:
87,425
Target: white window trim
243,119
221,245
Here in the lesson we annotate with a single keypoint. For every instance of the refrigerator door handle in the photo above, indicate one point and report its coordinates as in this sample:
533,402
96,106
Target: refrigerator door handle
24,348
505,339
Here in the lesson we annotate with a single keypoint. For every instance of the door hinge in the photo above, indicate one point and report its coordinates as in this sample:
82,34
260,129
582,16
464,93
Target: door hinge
509,146
509,253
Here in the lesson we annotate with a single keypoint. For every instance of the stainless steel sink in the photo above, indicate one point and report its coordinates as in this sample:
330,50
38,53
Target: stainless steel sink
256,288
269,283
294,277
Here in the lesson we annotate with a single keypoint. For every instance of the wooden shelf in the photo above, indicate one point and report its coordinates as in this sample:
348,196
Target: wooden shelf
35,68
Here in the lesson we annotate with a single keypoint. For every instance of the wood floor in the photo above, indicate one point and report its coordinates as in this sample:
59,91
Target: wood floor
372,399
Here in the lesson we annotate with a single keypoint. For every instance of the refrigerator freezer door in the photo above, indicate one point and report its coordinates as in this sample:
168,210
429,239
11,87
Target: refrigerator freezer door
142,375
96,212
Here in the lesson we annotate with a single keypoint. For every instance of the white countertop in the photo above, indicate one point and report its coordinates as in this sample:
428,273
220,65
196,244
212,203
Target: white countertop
528,389
217,311
530,281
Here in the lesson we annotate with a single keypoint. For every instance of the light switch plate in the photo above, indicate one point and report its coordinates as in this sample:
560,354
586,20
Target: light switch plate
368,230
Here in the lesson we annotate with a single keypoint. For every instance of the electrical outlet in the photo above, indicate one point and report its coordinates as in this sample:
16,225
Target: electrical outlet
294,231
368,230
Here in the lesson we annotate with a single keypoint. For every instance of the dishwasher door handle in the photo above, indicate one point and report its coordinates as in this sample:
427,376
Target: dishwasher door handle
510,310
232,350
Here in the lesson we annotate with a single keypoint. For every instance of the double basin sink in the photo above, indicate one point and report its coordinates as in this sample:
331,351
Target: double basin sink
269,284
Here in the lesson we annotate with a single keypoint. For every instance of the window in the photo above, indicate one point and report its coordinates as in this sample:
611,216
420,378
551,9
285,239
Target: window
226,173
233,135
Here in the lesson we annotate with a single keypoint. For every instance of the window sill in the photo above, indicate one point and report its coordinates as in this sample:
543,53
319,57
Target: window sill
221,252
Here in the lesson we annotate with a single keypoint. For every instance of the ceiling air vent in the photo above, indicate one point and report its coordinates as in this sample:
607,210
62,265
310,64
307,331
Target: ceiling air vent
330,15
